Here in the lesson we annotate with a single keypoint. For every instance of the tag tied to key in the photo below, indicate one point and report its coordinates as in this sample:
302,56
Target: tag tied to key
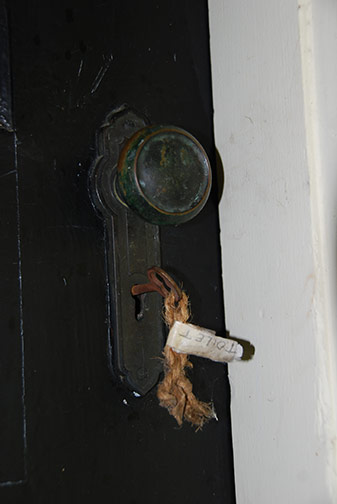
194,340
175,391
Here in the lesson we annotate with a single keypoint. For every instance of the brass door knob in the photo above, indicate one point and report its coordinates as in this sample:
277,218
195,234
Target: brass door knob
164,175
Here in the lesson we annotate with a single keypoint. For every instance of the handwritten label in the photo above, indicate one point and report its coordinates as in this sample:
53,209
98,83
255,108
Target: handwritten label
194,340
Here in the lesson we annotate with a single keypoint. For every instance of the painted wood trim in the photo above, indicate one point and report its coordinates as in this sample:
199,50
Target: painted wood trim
274,80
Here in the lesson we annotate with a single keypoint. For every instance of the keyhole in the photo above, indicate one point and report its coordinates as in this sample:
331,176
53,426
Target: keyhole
139,306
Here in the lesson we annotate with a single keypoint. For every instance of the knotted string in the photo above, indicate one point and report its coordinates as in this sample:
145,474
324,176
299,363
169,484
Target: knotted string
175,391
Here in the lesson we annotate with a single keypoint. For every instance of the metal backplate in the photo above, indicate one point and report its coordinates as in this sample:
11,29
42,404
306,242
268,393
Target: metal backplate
132,247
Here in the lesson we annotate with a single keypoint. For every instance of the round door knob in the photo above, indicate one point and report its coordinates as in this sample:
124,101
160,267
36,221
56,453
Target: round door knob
164,175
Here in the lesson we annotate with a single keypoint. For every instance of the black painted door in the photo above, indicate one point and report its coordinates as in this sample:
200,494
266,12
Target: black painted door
68,432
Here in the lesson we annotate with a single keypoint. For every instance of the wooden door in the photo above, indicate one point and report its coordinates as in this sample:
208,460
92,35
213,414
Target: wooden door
68,431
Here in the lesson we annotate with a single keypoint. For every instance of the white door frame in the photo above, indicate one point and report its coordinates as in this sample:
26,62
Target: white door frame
274,70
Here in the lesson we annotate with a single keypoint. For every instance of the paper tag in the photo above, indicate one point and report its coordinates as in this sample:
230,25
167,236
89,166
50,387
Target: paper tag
194,340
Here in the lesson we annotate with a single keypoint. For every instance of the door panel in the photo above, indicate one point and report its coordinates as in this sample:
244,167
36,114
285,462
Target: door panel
86,436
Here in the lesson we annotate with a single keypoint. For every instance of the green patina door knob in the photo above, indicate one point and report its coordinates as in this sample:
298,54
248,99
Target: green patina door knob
164,175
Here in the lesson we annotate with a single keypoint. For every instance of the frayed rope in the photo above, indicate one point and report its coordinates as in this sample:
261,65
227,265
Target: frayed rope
175,391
